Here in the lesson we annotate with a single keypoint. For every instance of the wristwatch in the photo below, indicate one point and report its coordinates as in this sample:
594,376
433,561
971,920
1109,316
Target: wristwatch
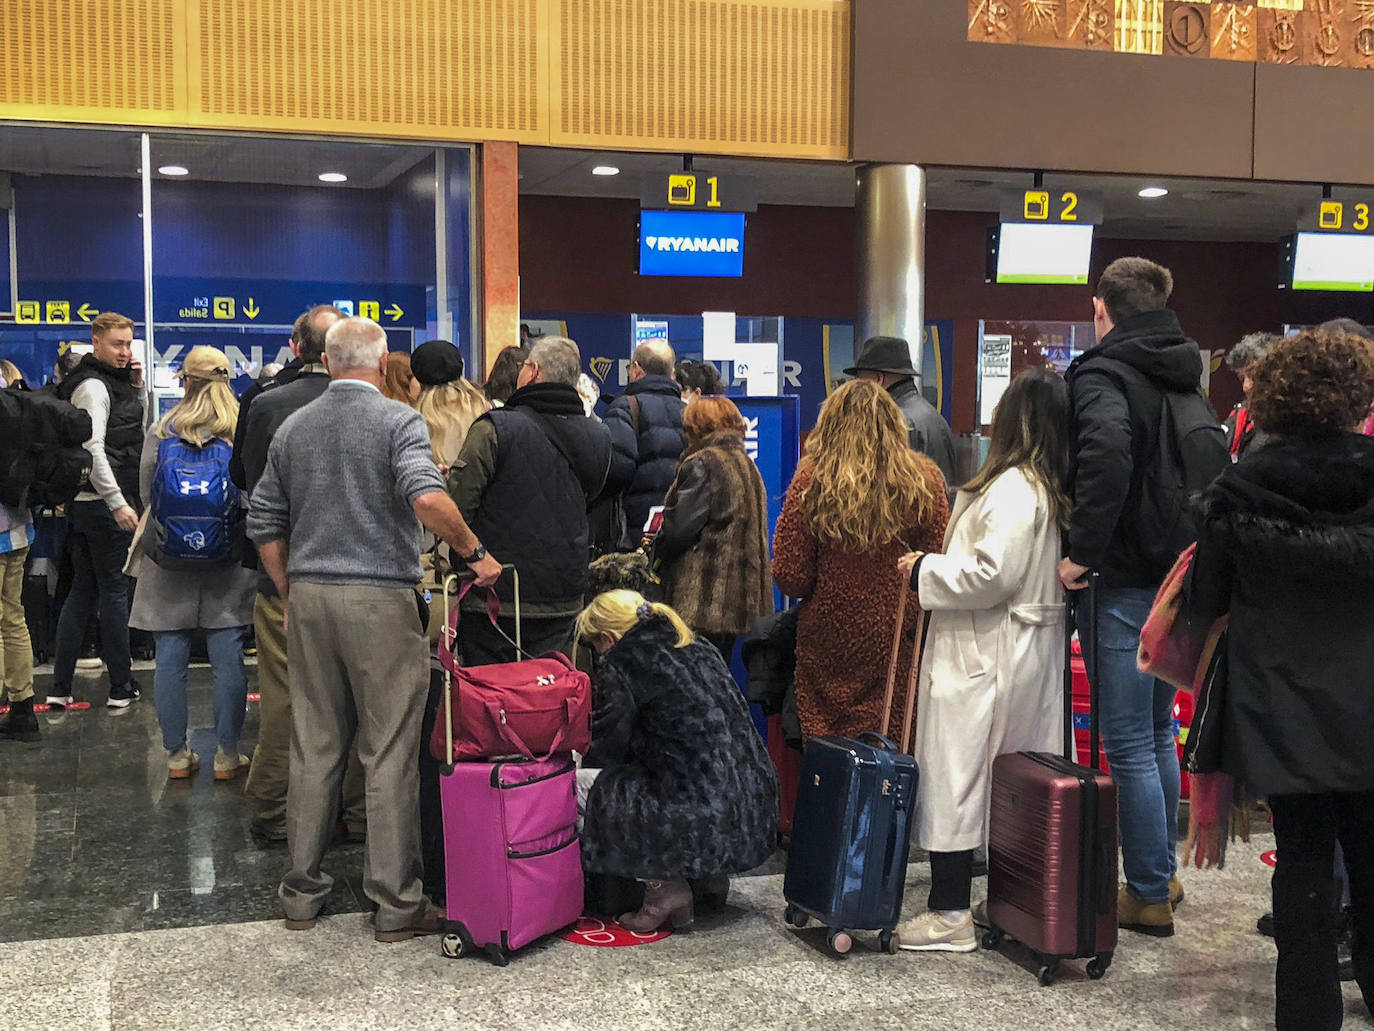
478,554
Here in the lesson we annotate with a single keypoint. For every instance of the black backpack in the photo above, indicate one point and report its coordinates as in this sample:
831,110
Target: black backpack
42,461
1190,454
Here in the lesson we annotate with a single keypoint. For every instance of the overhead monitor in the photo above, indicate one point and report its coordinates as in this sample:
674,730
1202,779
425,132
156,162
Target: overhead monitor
1333,261
691,243
1022,252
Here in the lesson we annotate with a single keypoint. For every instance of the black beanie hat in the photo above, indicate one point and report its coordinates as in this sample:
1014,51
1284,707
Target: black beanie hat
436,363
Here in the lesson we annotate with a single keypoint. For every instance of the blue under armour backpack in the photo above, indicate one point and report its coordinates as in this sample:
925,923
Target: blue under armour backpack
196,514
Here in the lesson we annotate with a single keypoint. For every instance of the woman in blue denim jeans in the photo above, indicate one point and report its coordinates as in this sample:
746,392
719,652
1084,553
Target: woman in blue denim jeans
176,597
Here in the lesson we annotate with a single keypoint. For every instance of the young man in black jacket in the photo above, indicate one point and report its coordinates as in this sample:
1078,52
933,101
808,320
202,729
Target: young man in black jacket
1116,391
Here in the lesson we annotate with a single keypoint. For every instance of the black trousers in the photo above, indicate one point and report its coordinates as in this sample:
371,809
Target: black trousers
951,880
1306,829
99,549
480,644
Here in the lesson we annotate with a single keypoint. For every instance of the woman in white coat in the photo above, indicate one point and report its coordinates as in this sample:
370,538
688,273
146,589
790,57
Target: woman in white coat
992,680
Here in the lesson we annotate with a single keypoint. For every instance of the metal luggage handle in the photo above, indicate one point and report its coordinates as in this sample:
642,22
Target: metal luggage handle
452,637
883,742
912,676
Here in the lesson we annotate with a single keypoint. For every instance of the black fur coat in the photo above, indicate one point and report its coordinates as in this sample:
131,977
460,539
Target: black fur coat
1286,545
687,788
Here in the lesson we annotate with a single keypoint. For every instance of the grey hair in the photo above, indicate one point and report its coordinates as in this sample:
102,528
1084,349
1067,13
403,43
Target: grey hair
1252,347
558,359
353,344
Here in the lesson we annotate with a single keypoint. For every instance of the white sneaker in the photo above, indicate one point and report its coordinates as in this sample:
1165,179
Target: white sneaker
930,933
229,765
60,702
89,663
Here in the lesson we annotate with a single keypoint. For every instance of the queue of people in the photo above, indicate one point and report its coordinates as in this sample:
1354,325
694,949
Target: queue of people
351,464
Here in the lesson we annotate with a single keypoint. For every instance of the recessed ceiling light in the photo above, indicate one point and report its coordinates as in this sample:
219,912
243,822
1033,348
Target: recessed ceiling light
605,170
174,170
1153,192
333,177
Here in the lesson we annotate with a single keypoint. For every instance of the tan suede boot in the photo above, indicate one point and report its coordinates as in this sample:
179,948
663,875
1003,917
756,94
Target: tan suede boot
1176,894
664,901
1155,919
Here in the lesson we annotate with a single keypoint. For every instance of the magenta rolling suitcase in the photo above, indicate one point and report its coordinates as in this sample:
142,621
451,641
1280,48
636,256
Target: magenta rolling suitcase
513,864
1052,848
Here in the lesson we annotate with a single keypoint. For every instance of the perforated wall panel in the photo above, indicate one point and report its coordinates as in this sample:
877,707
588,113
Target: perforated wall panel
89,60
768,77
428,68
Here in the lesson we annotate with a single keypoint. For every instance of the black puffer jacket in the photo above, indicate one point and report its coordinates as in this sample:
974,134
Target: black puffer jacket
1113,431
123,429
770,657
687,788
1287,547
644,463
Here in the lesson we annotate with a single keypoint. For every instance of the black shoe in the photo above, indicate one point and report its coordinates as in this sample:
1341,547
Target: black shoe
123,696
1265,925
21,724
1344,935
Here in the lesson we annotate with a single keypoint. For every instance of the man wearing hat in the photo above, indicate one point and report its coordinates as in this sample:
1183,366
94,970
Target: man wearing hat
887,362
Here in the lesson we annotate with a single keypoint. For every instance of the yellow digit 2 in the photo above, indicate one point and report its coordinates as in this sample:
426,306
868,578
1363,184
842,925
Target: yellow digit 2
1070,201
714,183
1361,217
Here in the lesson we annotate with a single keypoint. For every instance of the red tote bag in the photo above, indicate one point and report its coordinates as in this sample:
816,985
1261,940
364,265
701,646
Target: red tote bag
532,707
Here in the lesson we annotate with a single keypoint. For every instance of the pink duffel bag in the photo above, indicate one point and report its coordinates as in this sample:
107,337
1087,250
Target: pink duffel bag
531,708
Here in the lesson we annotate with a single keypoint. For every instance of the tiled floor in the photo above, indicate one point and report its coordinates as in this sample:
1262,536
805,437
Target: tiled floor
129,903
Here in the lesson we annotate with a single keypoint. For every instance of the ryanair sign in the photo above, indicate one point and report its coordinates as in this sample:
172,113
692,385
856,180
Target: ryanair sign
691,243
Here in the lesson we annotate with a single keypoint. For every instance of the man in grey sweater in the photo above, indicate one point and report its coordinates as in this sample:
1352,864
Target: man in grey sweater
337,519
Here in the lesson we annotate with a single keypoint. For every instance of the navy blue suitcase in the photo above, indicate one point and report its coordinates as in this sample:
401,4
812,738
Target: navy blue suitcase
851,835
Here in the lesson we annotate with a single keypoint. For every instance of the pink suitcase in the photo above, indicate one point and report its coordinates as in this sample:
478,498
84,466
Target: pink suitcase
512,858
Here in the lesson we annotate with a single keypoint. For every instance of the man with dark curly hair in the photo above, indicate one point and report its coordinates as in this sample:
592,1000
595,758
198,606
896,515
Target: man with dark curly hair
1286,548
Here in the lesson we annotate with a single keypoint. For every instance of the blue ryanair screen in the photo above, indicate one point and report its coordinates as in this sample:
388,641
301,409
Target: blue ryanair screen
691,243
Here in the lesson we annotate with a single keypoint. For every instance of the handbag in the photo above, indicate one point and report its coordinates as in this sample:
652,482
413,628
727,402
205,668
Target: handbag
530,708
1175,646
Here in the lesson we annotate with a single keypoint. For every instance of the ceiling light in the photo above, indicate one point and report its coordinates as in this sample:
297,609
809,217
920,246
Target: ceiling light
1153,192
333,177
605,170
174,170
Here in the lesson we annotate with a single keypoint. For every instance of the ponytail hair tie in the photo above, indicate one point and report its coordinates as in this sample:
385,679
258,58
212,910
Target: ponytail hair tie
645,611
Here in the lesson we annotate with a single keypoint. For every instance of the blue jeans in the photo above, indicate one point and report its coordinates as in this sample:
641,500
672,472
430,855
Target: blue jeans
1137,716
231,685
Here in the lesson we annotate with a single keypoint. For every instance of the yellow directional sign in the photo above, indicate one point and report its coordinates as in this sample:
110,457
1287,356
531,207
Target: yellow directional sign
394,312
87,312
224,307
59,312
251,309
370,310
29,311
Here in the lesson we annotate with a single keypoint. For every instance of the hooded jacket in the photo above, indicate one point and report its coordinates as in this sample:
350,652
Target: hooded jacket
646,448
1286,546
1115,396
523,481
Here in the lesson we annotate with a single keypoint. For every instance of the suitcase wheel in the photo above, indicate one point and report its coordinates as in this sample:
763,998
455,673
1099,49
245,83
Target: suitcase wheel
993,937
840,942
1097,966
452,946
1048,973
890,942
795,917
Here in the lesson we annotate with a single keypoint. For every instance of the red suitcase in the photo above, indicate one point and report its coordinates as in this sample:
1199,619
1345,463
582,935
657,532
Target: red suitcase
1052,848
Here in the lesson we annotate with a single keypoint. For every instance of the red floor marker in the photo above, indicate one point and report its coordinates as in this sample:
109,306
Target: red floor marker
1270,858
44,707
253,696
608,934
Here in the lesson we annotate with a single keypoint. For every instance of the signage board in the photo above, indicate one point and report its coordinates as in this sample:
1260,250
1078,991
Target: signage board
691,243
1042,206
698,191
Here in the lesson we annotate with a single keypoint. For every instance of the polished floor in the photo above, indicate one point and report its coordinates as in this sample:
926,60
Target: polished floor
127,902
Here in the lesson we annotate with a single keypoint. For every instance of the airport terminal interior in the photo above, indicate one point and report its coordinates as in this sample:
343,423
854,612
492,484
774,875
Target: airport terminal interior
768,193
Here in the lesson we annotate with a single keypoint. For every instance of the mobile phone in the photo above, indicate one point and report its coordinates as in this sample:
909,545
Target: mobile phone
655,521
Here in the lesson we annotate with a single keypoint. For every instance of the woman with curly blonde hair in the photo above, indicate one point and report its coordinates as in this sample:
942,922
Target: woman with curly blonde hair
861,498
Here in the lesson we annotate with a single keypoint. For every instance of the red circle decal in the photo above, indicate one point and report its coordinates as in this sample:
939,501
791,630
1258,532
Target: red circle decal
1270,858
608,934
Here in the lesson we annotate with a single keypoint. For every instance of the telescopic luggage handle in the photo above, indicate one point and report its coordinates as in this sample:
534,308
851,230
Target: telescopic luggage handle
450,636
1090,664
911,675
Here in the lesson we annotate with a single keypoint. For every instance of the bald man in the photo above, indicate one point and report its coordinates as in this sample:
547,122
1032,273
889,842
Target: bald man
646,436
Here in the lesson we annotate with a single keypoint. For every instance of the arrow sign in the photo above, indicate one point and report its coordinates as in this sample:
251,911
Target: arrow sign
394,312
251,309
86,312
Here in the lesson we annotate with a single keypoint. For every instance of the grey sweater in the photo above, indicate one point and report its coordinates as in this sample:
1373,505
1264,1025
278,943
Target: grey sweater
342,477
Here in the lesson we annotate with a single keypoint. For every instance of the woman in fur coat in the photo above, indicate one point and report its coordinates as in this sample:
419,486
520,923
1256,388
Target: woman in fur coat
1286,547
677,784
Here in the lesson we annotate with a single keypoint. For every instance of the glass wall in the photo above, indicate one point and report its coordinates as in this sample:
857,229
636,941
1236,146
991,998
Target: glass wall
245,233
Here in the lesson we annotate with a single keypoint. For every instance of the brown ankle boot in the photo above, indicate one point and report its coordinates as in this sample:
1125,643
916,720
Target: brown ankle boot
664,901
1155,919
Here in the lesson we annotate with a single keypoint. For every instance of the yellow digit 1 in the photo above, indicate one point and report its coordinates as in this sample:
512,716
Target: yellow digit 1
1070,201
1361,217
714,183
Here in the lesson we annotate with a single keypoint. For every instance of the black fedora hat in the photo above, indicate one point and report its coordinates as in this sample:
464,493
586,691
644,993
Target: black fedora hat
883,354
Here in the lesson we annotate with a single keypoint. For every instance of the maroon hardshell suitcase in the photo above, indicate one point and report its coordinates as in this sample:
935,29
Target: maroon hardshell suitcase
1052,846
